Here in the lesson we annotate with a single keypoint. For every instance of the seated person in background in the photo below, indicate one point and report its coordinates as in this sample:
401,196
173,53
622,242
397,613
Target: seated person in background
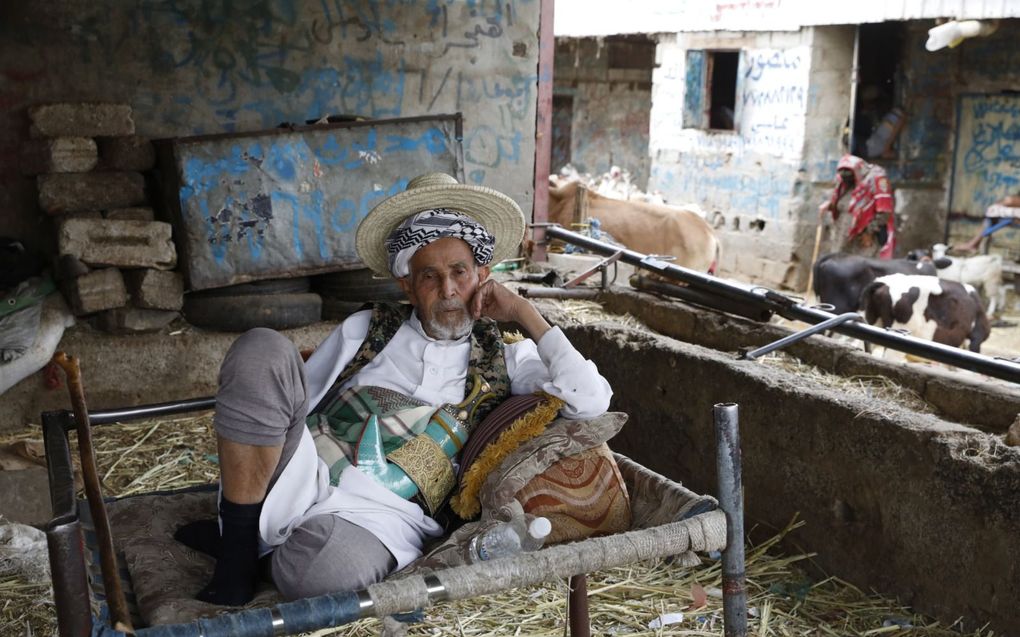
864,223
1006,208
328,525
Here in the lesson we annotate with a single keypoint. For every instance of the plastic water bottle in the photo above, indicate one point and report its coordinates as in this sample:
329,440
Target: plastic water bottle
538,530
499,541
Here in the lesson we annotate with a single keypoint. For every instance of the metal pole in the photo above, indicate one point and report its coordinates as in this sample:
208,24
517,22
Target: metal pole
801,335
787,307
731,501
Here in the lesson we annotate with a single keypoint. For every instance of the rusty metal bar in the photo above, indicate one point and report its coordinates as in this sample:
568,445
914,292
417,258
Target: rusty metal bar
731,501
577,607
64,539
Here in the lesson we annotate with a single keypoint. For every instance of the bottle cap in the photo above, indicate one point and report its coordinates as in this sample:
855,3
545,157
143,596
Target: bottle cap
540,527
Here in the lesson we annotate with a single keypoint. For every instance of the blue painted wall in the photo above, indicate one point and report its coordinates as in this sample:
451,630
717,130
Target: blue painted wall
191,67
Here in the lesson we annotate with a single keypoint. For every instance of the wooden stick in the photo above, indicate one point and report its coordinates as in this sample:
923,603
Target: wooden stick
814,257
94,494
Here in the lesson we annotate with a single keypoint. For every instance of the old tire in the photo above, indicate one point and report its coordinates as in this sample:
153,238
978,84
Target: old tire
338,310
357,285
239,313
297,285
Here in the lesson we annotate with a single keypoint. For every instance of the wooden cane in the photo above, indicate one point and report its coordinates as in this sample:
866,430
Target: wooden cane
814,257
93,492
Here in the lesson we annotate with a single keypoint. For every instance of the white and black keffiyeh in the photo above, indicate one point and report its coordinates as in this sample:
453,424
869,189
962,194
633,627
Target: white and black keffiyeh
421,229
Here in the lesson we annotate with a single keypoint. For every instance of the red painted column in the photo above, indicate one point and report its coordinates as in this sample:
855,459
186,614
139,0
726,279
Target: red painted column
543,127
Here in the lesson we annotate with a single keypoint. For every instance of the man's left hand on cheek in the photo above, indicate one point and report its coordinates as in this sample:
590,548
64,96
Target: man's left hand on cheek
496,301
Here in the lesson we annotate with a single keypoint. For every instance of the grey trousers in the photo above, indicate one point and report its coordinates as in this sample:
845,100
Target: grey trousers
262,401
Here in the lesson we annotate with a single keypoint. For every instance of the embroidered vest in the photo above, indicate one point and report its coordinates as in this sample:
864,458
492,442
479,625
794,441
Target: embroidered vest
388,435
487,358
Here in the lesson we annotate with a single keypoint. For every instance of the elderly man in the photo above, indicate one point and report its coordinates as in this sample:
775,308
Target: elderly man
864,223
297,482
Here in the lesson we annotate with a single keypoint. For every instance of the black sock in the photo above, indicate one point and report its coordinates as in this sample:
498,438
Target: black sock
201,535
233,581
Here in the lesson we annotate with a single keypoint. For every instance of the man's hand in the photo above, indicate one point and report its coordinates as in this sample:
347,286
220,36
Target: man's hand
823,209
494,300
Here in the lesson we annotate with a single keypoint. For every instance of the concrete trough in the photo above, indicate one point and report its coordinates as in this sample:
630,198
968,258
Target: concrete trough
908,504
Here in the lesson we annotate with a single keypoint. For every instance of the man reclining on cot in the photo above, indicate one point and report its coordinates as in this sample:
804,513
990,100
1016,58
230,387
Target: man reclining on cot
302,483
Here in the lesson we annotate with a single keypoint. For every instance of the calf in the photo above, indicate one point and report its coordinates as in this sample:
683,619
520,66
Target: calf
984,272
927,307
839,278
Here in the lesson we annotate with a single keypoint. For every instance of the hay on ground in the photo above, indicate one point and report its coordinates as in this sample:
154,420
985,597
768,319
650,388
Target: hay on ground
782,600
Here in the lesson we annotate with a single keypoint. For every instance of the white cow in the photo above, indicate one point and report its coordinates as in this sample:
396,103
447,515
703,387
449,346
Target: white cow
984,272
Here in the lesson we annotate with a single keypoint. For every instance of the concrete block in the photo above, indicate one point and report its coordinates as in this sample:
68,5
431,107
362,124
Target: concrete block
133,320
138,213
155,289
125,244
97,291
58,155
81,120
25,496
68,192
126,153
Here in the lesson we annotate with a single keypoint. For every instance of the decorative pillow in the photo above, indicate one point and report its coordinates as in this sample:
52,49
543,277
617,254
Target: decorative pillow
515,420
582,495
591,500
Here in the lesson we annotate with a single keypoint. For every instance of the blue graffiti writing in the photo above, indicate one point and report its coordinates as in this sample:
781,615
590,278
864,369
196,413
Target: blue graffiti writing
759,63
788,95
993,143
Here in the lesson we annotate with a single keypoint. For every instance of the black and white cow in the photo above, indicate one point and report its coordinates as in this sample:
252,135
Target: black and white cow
840,278
927,307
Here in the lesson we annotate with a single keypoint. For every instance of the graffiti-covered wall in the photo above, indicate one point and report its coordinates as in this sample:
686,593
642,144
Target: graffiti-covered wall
191,67
748,179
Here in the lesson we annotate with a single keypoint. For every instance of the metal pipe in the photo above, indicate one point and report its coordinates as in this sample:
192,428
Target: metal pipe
107,416
558,293
731,501
801,335
577,607
789,308
700,297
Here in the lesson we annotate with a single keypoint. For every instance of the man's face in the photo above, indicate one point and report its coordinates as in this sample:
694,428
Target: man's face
847,176
443,278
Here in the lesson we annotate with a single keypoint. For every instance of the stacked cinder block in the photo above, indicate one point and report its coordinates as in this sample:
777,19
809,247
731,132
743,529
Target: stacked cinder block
116,261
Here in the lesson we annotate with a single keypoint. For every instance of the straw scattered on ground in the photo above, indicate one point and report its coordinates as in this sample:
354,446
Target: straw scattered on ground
867,386
782,600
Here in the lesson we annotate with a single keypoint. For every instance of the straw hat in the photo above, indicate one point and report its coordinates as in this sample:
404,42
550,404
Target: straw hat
498,213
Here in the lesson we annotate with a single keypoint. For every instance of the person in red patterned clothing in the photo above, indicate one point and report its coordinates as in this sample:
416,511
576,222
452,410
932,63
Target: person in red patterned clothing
864,222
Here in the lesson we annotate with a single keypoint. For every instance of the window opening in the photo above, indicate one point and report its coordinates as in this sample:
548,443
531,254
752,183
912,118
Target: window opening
722,89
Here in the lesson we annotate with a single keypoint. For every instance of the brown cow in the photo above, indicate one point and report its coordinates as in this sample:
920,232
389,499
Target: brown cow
643,227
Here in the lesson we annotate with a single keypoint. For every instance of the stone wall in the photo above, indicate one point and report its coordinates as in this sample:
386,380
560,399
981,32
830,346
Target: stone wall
894,501
211,67
610,104
749,180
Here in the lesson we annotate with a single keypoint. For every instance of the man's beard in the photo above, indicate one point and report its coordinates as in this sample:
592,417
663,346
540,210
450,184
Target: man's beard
447,331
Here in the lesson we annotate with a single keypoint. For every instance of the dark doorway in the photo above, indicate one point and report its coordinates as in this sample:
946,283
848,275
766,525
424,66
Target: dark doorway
879,56
562,121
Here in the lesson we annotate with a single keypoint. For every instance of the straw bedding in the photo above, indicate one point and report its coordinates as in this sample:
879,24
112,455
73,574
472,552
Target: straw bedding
179,452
